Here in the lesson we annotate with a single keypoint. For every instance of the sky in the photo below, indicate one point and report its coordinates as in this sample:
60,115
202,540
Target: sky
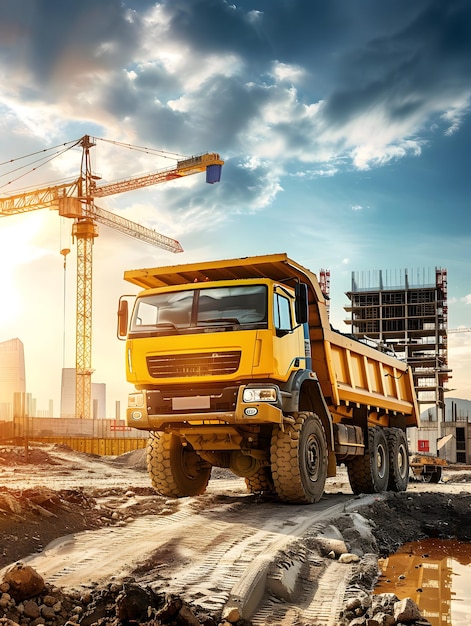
345,129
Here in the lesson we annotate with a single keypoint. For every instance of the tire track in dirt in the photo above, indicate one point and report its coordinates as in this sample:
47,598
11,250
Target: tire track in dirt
210,551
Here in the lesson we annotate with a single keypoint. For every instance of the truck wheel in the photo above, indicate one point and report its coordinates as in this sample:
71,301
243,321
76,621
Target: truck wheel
299,459
261,482
398,459
435,476
175,470
370,473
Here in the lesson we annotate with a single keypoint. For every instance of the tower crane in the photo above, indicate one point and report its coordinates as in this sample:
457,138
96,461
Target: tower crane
76,200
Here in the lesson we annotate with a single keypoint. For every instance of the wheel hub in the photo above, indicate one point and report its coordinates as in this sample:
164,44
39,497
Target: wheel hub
312,458
381,461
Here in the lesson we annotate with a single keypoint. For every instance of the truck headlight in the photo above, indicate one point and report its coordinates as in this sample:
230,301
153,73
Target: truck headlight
262,394
136,400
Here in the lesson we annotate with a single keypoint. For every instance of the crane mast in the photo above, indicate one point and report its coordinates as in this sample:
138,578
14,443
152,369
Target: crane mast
75,200
84,231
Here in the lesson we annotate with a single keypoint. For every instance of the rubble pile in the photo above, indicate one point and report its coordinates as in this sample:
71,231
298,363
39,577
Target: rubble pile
381,610
27,600
13,457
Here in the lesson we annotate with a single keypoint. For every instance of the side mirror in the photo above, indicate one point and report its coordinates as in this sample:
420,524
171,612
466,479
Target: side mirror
301,306
123,315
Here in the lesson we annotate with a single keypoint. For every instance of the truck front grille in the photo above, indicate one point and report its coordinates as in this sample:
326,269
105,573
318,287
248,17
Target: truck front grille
186,365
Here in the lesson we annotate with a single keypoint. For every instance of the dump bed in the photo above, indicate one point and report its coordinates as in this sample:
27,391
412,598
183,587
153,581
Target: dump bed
349,371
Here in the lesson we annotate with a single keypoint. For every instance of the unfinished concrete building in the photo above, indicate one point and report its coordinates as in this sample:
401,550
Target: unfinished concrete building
406,311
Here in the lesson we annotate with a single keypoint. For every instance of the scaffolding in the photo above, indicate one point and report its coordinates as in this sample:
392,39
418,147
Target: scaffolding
406,310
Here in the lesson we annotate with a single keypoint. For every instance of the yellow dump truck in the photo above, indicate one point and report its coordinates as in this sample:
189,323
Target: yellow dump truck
427,467
235,365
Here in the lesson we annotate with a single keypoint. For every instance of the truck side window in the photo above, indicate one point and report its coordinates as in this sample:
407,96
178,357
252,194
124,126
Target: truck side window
147,314
282,313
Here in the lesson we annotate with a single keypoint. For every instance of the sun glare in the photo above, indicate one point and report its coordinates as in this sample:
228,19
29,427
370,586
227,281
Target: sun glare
16,248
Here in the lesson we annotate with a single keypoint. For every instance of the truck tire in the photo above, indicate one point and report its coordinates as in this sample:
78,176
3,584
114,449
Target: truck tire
175,470
398,459
261,482
436,476
370,473
426,476
299,459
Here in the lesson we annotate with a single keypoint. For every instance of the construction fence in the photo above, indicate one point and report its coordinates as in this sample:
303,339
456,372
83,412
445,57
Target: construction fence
101,436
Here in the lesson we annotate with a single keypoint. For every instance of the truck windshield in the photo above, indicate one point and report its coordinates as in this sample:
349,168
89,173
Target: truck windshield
201,309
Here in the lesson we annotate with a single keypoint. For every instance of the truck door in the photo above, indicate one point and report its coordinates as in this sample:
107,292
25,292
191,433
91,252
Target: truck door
288,345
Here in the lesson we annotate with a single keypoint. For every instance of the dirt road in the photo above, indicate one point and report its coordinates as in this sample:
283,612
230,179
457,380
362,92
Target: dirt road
227,553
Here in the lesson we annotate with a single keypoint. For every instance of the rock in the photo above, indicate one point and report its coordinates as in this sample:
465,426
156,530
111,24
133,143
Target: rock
331,540
24,581
57,606
233,616
186,617
10,504
5,600
172,606
353,604
358,621
348,557
381,619
406,611
132,605
385,602
31,609
328,545
47,612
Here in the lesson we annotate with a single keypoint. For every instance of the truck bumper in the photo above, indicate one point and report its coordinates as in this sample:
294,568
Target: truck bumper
196,411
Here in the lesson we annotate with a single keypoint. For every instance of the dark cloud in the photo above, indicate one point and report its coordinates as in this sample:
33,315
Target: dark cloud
154,81
213,26
54,43
407,70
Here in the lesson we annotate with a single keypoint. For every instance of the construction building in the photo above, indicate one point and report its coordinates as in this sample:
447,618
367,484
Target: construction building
406,312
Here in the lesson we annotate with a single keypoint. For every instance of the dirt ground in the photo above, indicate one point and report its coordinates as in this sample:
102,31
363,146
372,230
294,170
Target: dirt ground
37,507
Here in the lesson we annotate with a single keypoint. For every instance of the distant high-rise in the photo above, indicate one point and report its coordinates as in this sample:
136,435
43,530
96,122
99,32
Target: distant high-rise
68,396
12,376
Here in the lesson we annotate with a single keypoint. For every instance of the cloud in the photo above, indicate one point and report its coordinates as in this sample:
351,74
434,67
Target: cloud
307,89
467,299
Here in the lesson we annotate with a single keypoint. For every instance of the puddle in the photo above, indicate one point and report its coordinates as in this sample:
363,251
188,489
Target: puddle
436,574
